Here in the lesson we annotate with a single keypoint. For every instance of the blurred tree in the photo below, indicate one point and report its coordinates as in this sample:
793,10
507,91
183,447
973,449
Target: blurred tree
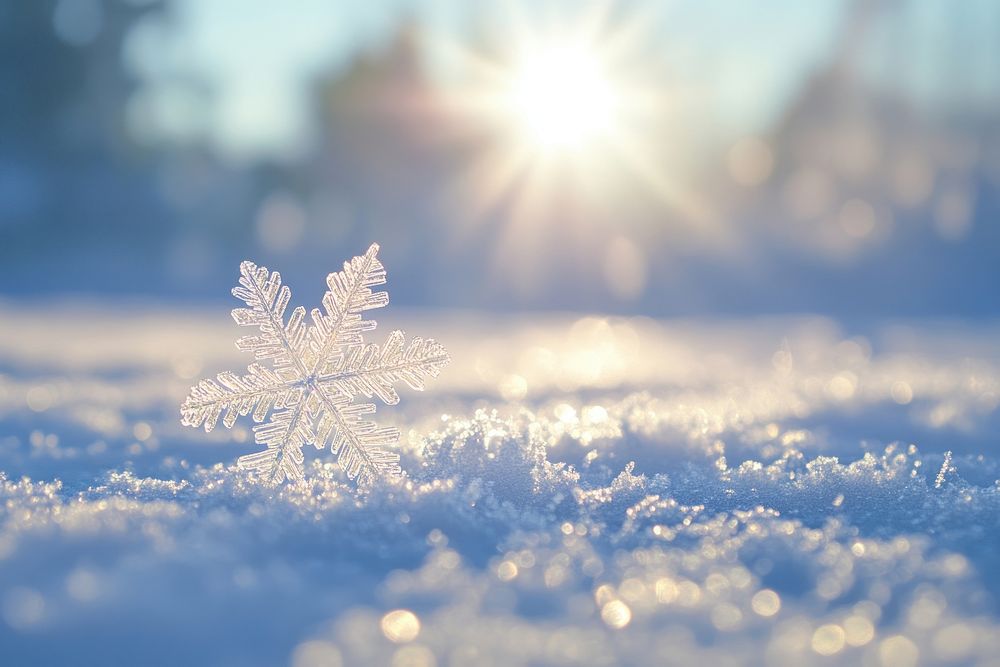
380,151
72,188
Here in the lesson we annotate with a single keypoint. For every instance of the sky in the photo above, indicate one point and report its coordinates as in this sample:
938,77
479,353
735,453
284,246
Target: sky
702,146
257,56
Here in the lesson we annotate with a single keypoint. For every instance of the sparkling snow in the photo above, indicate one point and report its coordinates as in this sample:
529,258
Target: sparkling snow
577,491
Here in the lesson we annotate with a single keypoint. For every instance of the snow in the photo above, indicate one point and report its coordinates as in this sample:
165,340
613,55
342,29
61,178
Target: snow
576,491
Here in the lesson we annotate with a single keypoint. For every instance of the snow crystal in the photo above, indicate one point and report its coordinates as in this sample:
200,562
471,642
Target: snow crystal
317,371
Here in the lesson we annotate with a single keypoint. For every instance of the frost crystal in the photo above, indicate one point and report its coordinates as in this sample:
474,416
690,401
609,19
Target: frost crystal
316,372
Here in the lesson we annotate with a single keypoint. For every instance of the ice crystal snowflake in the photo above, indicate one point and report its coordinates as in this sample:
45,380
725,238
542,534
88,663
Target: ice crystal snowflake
317,371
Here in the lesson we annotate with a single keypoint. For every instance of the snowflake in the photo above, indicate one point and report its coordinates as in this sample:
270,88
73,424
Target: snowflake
316,372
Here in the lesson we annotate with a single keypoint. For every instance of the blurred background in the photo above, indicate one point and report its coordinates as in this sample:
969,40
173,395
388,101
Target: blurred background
661,158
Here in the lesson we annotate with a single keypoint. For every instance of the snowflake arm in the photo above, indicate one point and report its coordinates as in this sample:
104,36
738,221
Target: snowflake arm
284,435
349,294
259,390
267,299
360,446
372,371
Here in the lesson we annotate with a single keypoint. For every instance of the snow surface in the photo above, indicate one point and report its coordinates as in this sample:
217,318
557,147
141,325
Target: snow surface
577,491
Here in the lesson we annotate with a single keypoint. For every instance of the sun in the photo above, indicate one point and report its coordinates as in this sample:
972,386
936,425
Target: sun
569,123
562,98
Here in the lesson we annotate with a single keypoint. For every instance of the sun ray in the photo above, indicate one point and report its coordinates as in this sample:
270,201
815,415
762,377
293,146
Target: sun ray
567,125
